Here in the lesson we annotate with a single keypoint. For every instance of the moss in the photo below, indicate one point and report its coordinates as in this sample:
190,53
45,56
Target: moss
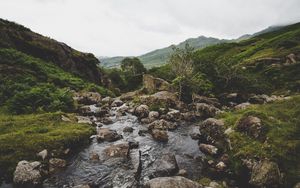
204,181
21,137
282,144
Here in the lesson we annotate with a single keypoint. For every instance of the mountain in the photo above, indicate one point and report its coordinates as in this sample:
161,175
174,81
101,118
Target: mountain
160,56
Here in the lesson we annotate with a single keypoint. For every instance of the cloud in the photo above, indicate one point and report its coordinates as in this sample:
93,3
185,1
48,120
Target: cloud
134,27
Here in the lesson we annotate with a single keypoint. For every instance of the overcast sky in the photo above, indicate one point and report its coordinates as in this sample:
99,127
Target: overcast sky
134,27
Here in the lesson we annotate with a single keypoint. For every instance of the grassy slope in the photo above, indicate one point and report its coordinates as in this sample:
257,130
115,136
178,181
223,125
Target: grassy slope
282,121
276,44
21,137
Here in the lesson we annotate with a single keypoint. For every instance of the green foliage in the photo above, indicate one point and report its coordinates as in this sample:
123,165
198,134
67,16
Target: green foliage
21,137
164,72
281,120
133,66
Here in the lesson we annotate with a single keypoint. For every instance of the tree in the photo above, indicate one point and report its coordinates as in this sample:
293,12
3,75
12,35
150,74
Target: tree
133,66
181,61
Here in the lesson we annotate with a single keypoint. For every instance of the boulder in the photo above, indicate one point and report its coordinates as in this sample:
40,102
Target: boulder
213,128
141,111
84,120
28,174
204,110
173,115
164,166
265,174
117,103
207,100
188,116
160,135
152,84
182,172
107,100
85,111
172,182
117,150
56,164
250,125
131,95
153,115
128,129
221,166
258,99
208,149
106,120
94,156
242,106
142,132
105,134
167,98
162,125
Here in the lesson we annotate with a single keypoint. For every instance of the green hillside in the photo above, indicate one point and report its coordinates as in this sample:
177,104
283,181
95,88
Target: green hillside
160,56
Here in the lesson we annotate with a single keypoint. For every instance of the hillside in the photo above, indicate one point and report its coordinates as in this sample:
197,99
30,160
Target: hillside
160,56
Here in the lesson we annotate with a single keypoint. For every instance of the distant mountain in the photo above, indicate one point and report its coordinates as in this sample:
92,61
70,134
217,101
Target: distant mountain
160,56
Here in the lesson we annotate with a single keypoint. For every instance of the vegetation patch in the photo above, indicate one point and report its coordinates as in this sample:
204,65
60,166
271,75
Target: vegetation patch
282,143
22,136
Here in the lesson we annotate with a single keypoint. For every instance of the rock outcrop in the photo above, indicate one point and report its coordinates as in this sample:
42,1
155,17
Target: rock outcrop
152,84
28,174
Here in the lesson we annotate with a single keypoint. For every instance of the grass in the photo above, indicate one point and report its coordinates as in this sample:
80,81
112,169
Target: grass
21,137
282,122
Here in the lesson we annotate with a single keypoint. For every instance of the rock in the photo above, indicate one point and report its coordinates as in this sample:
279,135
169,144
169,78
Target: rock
169,99
160,135
28,174
242,106
65,118
142,132
205,110
67,151
105,134
131,95
208,149
145,121
153,115
133,144
43,154
173,115
107,100
106,120
207,100
265,174
258,99
182,172
228,131
297,185
117,150
195,136
85,111
164,166
152,84
213,128
172,182
117,103
225,158
250,125
214,184
123,109
81,186
56,164
84,120
94,156
290,59
162,125
221,166
188,116
141,111
87,98
128,129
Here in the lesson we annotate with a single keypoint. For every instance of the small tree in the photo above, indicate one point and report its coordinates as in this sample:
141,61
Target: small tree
133,66
181,61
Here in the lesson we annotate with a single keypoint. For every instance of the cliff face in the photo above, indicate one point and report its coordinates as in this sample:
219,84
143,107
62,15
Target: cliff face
23,39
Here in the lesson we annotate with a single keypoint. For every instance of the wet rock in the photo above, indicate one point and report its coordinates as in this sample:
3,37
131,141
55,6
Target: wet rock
153,115
208,149
94,156
117,103
265,174
250,125
141,111
164,166
160,135
204,110
172,182
162,125
142,132
195,136
106,120
128,129
56,164
84,120
133,144
28,174
105,134
43,154
242,106
117,150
